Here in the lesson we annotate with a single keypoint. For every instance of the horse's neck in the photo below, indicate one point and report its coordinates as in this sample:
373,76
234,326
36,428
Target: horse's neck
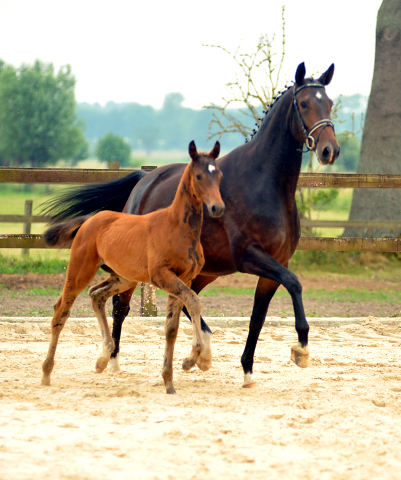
186,208
277,153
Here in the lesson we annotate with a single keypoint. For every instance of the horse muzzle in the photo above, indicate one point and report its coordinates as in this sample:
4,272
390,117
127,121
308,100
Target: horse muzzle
328,153
215,210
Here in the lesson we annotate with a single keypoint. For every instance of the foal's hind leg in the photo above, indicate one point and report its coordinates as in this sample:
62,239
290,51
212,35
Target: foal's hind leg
205,358
74,285
99,295
174,306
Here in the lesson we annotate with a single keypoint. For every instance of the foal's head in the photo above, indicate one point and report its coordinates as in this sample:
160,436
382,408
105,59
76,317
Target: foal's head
205,178
313,125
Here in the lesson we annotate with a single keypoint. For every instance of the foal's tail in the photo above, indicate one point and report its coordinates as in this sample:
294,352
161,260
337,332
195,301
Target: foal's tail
62,235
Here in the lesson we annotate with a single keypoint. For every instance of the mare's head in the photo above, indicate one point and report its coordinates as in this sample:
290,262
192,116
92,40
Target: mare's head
205,178
311,122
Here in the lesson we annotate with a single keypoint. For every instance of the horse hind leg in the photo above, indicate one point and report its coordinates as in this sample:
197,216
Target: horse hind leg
121,308
99,295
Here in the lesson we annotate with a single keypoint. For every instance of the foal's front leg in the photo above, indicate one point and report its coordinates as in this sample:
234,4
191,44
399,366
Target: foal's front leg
174,306
170,283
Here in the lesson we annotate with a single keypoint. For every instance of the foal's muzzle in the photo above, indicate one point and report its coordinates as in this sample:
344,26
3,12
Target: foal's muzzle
216,210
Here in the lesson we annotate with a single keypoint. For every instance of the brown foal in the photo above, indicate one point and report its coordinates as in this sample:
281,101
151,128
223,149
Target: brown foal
162,248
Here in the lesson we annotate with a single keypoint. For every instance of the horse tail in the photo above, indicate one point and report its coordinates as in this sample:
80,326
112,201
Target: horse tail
90,199
62,235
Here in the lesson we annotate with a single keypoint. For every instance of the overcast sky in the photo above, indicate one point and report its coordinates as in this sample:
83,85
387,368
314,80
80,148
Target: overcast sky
138,51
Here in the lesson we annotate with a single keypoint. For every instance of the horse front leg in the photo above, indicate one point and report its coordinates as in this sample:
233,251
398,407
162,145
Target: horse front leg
265,291
174,306
256,261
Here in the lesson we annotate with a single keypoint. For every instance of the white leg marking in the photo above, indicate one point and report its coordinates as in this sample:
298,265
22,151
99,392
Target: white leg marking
205,358
249,381
114,364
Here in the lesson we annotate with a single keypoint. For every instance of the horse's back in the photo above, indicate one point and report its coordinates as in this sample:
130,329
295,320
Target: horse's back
156,190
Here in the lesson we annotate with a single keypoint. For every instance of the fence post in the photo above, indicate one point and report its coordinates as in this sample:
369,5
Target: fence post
148,300
148,292
114,165
26,229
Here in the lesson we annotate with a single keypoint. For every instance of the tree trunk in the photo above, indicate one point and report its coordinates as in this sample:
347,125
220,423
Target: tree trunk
381,142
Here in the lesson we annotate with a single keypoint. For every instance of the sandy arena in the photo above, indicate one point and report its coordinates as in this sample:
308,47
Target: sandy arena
340,418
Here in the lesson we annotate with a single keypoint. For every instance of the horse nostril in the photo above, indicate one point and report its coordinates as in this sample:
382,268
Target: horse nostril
326,153
216,210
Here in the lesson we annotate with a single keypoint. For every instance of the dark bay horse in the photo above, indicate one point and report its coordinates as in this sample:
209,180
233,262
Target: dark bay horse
162,248
260,228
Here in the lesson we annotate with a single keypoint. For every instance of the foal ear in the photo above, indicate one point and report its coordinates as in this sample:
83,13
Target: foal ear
215,152
325,78
193,153
300,74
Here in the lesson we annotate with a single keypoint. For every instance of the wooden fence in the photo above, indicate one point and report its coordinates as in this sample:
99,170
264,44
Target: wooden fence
327,180
26,240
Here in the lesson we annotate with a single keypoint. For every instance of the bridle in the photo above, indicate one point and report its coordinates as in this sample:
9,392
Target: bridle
310,141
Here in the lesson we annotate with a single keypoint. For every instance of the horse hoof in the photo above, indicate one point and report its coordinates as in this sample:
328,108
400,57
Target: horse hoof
170,391
46,381
250,385
114,366
203,364
300,355
187,364
101,364
249,382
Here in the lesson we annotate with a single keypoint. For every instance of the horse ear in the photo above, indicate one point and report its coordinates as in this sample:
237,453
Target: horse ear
215,152
193,153
300,74
325,78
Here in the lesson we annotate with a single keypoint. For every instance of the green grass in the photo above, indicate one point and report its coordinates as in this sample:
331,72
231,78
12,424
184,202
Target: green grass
343,294
38,264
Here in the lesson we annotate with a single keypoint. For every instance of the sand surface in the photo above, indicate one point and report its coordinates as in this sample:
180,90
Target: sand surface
340,418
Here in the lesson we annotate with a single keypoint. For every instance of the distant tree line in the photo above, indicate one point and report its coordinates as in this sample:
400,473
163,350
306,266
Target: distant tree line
174,125
40,122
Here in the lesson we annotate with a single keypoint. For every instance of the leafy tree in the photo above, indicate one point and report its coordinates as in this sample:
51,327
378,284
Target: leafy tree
349,156
113,147
381,141
38,123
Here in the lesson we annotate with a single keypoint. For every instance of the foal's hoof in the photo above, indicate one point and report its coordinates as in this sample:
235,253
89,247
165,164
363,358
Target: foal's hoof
204,364
45,381
187,364
170,390
300,355
101,364
249,381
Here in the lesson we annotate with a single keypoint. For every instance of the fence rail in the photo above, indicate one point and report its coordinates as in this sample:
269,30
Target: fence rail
316,180
333,244
78,176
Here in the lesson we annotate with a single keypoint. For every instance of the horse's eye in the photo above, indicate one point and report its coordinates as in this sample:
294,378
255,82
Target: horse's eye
303,104
198,177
